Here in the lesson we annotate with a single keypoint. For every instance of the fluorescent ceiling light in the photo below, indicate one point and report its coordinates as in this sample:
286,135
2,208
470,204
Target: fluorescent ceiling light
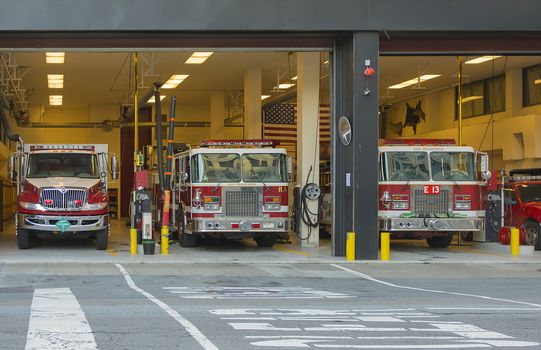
471,98
294,78
152,99
264,97
284,86
198,57
482,59
55,100
537,81
54,57
326,62
174,81
414,81
55,81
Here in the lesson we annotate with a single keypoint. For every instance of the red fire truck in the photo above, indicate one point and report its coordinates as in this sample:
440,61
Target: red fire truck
429,189
233,189
62,191
522,206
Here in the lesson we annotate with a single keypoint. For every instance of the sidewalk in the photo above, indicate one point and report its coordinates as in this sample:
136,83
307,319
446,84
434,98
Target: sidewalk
245,251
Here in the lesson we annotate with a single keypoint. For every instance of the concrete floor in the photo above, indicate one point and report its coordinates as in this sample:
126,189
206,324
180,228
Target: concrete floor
244,251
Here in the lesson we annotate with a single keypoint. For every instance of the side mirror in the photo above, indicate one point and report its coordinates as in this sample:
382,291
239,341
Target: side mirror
289,166
114,167
485,172
12,171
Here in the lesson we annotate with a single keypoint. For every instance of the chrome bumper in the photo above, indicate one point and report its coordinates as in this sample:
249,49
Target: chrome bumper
48,222
431,224
212,225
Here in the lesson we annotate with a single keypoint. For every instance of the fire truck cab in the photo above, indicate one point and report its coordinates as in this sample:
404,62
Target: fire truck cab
430,189
232,188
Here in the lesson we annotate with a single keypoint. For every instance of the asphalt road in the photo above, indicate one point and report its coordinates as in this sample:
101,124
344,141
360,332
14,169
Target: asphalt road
270,306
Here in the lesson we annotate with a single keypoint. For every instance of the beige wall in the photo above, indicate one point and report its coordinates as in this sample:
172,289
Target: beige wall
515,143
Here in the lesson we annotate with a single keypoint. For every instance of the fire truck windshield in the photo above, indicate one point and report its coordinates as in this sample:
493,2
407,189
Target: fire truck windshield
81,165
264,167
530,192
216,167
408,166
452,166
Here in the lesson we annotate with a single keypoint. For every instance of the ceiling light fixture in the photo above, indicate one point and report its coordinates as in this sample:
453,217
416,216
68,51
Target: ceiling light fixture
537,81
174,81
55,100
198,57
284,86
54,57
153,99
414,81
264,97
294,78
471,98
481,59
55,81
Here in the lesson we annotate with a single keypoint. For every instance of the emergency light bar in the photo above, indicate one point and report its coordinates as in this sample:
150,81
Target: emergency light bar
416,142
237,143
62,147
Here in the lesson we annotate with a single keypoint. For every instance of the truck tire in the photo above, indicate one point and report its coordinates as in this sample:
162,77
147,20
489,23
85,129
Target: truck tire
266,240
23,238
188,240
102,238
533,234
440,241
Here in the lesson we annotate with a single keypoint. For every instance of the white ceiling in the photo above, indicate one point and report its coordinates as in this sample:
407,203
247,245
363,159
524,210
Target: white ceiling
102,77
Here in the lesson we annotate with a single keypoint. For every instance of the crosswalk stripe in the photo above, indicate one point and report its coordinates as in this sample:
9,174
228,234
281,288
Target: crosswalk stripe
58,322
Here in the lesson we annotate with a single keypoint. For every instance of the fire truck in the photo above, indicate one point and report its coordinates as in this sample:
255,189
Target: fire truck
429,189
232,188
62,191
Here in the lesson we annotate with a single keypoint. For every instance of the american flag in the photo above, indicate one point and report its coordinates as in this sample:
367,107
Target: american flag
280,124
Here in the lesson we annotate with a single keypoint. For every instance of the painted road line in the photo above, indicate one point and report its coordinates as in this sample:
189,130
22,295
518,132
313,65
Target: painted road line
58,322
369,278
483,308
190,327
360,332
254,293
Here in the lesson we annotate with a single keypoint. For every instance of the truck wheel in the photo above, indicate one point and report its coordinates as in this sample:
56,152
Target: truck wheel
266,240
23,238
533,234
185,240
102,238
440,241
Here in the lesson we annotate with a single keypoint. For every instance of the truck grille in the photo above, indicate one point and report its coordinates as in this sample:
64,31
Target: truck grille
242,203
429,204
62,198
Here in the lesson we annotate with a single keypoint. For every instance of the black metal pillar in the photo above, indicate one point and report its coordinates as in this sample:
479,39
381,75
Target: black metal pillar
355,166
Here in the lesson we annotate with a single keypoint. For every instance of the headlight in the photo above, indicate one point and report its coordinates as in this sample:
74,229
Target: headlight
272,207
400,205
32,206
94,206
463,205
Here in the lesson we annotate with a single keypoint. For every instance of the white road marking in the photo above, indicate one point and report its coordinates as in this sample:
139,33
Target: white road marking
190,327
369,278
449,334
254,293
58,322
483,308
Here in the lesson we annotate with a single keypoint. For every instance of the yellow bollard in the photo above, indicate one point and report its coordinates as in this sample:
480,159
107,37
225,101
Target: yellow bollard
350,246
385,250
165,240
133,241
515,241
